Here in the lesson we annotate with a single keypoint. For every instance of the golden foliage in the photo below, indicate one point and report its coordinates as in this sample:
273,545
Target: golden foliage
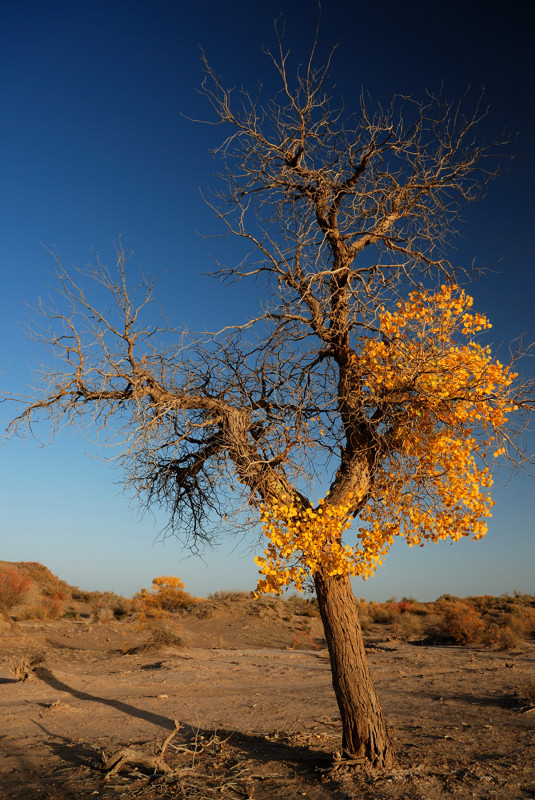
446,401
166,596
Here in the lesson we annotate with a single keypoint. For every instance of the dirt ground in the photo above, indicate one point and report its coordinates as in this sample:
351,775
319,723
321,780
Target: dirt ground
257,715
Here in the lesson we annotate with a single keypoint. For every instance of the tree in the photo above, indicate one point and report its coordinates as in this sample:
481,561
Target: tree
166,595
363,370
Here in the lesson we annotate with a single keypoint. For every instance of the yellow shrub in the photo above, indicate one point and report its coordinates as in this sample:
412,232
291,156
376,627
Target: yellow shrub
166,596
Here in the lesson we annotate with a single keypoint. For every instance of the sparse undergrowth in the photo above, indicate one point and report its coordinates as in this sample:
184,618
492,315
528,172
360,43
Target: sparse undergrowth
499,622
160,633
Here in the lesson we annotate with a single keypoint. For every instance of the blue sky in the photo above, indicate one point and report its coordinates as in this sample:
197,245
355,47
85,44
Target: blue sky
95,142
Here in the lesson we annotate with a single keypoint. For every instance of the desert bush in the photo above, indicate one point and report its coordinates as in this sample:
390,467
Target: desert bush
409,626
448,598
408,605
53,608
44,609
122,608
302,606
303,640
486,604
23,667
229,596
384,613
48,583
33,611
500,637
507,619
167,595
13,589
525,691
102,614
458,623
160,633
521,620
524,599
56,594
81,596
364,615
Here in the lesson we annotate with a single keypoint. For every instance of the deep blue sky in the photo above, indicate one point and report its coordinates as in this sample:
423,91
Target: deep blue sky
93,145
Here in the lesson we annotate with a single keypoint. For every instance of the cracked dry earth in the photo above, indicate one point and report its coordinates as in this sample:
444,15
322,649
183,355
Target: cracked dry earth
256,718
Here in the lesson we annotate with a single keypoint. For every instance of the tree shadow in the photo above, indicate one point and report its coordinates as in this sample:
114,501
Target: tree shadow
505,700
253,745
44,674
29,781
75,753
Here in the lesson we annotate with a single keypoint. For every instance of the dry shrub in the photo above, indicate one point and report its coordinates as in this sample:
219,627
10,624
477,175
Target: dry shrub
44,609
218,601
458,623
33,611
122,608
167,594
229,596
160,634
521,620
23,668
102,614
525,691
500,637
507,619
59,594
302,606
82,596
53,608
303,640
409,627
13,589
384,613
364,615
409,605
49,584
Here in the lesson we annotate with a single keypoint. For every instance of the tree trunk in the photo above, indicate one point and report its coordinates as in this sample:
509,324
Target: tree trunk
364,729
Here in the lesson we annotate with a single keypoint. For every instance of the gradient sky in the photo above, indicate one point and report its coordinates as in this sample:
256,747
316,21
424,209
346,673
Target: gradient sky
95,143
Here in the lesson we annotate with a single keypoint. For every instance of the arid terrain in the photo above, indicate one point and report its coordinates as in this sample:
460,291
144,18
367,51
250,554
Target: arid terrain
251,693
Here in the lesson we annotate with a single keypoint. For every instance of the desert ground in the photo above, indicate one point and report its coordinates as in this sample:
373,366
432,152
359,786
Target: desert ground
244,708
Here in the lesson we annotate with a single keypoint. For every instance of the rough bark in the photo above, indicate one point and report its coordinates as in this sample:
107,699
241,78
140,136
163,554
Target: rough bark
365,735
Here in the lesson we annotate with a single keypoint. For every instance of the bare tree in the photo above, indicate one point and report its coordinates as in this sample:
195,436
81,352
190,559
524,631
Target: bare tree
350,375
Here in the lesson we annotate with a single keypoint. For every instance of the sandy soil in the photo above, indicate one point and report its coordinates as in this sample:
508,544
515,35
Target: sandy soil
257,715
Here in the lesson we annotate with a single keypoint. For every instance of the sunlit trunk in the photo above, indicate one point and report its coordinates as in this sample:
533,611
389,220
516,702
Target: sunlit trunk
365,734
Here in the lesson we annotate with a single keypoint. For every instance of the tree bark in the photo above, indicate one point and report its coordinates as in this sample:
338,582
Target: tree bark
365,735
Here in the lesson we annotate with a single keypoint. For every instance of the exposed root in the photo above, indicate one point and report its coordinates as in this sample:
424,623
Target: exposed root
135,757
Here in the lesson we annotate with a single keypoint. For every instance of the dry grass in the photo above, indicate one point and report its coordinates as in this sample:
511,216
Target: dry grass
23,667
46,608
525,691
160,635
103,614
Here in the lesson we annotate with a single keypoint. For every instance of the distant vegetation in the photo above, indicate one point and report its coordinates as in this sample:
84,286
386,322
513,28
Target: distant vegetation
29,590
